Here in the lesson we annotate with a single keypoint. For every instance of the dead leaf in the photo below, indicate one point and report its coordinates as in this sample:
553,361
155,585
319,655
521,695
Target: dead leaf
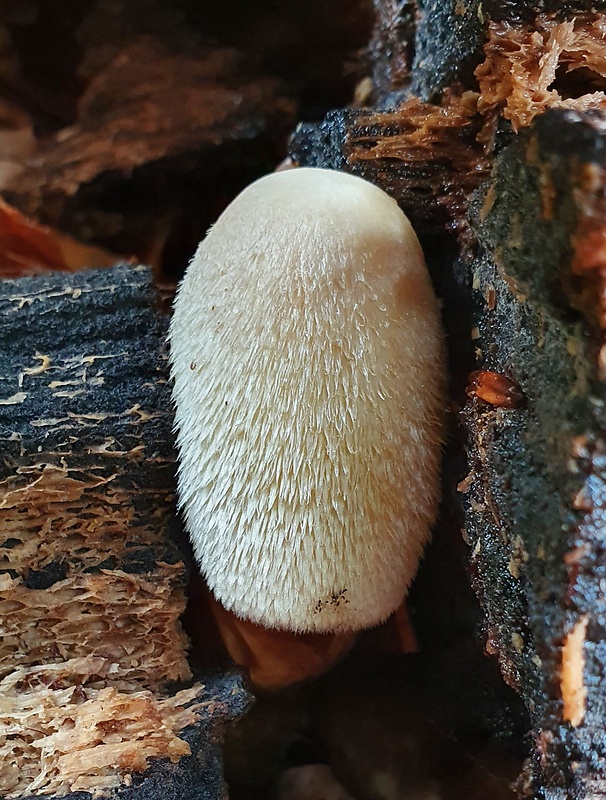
28,248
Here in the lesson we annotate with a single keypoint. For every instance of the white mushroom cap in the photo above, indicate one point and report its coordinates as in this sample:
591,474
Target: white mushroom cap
307,360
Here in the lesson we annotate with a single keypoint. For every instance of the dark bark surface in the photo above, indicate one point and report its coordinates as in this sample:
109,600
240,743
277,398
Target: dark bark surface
534,498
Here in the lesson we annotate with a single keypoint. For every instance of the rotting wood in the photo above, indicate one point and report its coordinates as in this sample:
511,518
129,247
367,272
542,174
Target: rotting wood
523,299
92,563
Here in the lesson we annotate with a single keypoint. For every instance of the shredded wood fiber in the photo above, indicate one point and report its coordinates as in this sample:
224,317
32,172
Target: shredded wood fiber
434,153
129,619
428,157
63,729
527,71
91,519
91,573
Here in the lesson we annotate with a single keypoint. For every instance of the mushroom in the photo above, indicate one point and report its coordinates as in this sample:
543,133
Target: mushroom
308,362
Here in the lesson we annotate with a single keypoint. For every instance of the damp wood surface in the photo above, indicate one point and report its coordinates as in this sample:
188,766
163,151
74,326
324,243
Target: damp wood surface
86,459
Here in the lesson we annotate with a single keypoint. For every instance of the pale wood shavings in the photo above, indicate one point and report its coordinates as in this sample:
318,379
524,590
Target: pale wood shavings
60,731
572,680
130,619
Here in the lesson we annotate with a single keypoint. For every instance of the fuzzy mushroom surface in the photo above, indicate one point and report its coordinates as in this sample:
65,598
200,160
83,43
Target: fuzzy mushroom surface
308,365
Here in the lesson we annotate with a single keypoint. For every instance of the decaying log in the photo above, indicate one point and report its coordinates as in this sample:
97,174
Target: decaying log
421,48
528,288
428,157
132,125
184,127
534,495
93,567
431,142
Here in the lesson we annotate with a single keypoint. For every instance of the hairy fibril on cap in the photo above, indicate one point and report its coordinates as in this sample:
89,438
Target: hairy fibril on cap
307,360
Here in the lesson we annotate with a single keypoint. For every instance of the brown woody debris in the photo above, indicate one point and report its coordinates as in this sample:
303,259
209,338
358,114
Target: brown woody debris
130,620
433,155
28,248
91,575
527,71
25,246
149,104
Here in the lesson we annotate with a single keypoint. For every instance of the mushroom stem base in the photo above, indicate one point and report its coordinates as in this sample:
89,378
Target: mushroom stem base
276,659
